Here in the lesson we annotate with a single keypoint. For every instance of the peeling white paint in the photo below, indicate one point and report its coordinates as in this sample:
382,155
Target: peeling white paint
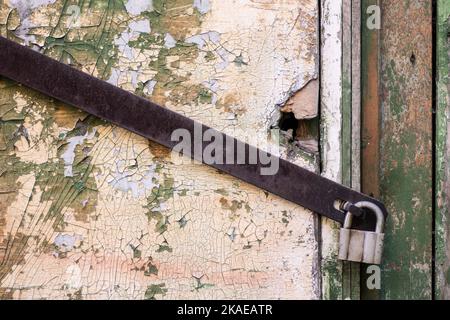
131,55
213,85
25,8
134,78
66,242
139,184
69,155
331,83
224,55
169,41
202,6
122,43
136,7
132,32
161,207
114,78
149,87
201,40
73,273
232,234
142,26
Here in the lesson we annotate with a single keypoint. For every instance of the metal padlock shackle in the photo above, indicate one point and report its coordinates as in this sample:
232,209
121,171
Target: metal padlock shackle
373,208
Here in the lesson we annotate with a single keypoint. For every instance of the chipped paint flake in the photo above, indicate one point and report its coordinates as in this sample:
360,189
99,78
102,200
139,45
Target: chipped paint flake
136,7
127,179
140,26
204,39
69,154
169,41
202,6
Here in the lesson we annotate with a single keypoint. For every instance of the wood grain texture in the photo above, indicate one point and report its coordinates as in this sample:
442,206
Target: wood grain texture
405,169
331,142
370,139
351,122
370,117
356,93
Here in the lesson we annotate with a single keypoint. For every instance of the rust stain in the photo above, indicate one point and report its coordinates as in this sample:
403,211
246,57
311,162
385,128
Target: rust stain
370,118
231,104
67,116
158,151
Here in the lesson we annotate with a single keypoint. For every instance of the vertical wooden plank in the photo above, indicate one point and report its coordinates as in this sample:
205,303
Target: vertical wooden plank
406,147
331,127
356,94
350,128
339,154
356,122
397,142
442,215
370,116
346,123
346,92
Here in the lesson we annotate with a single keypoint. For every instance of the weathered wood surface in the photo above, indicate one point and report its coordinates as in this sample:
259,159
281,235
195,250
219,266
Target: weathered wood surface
442,223
397,160
370,100
351,122
89,210
370,117
331,138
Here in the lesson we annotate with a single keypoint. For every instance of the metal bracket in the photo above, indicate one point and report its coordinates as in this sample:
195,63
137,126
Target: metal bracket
157,123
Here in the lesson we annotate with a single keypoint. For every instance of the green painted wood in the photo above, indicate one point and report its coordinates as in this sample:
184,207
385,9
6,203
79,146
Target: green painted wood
346,146
397,137
346,141
350,271
442,216
405,168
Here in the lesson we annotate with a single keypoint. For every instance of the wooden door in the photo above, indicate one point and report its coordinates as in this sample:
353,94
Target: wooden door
397,137
89,210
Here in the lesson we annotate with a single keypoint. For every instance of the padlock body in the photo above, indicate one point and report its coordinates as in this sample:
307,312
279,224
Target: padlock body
373,247
360,246
344,240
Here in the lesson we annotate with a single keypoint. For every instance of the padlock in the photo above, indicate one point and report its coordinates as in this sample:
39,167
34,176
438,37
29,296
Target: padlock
362,246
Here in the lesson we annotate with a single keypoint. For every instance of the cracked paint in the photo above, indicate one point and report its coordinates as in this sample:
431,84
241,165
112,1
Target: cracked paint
169,41
69,155
203,6
136,7
125,221
127,180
